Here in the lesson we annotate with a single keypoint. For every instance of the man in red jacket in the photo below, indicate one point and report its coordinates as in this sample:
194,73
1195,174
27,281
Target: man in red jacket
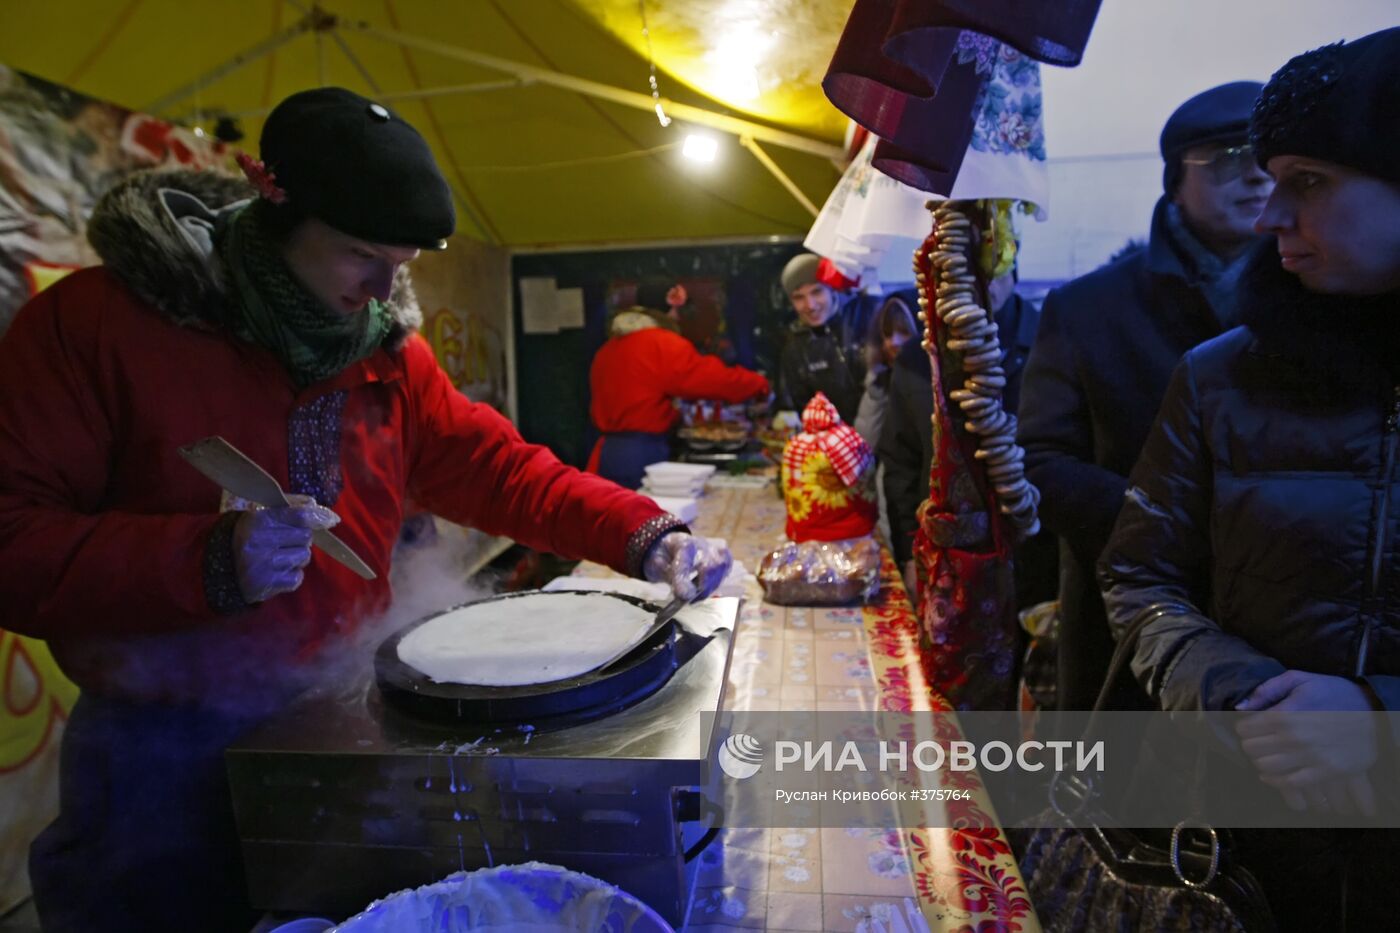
283,323
636,376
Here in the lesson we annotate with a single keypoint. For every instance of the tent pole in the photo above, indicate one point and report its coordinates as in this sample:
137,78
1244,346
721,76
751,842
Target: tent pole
502,85
480,86
247,57
605,246
683,112
777,172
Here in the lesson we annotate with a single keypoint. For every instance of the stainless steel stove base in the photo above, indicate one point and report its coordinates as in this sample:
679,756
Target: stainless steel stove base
343,800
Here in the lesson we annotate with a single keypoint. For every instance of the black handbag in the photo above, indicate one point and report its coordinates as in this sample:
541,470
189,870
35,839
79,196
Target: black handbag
1090,878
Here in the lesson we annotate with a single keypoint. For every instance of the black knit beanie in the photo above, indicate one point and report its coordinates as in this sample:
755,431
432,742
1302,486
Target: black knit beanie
357,166
1339,103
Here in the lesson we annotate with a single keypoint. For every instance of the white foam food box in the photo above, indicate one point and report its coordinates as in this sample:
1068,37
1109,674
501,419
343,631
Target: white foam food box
672,470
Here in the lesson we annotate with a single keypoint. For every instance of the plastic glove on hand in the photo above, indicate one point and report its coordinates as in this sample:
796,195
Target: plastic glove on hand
759,406
693,567
271,546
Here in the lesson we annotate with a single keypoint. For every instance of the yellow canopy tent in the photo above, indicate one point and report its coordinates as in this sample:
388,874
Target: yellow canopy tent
540,111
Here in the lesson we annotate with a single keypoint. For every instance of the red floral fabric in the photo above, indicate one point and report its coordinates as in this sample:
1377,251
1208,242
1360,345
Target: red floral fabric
827,478
970,636
964,871
848,453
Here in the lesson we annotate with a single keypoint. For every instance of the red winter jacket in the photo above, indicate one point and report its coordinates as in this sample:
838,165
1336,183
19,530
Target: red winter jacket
103,526
635,377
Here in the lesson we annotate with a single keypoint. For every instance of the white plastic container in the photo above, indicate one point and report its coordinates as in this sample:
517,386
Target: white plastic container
672,469
683,507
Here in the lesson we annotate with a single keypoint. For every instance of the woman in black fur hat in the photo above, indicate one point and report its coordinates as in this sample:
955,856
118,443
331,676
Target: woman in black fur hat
1261,529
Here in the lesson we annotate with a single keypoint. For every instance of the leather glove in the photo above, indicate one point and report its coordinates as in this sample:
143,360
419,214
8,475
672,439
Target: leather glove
271,546
694,567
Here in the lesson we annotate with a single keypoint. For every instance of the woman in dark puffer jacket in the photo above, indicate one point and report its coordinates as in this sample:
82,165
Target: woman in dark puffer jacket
1261,528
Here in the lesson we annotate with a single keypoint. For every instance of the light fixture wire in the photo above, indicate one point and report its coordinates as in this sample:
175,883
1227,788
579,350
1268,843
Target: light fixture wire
651,63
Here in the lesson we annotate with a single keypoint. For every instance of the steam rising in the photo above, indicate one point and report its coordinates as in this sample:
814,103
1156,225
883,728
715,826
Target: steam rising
427,577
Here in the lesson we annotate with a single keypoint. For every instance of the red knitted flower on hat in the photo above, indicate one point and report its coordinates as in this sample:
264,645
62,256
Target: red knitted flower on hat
676,297
261,178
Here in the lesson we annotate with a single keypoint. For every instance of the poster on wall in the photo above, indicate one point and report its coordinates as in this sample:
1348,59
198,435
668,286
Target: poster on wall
59,151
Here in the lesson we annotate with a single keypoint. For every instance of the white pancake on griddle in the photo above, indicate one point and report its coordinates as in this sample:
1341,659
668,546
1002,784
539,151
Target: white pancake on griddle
534,639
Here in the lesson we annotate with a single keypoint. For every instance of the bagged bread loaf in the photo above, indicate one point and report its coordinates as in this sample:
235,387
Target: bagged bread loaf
821,573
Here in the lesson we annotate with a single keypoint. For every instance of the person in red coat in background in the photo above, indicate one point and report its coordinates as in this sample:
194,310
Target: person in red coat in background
638,373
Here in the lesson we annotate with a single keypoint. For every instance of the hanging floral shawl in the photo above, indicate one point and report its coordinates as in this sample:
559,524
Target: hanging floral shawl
828,478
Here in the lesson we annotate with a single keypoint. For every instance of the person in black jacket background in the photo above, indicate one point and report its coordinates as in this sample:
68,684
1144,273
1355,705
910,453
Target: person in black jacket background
1106,346
1260,535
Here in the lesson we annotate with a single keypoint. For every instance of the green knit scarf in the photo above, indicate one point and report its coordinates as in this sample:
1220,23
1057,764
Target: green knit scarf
274,310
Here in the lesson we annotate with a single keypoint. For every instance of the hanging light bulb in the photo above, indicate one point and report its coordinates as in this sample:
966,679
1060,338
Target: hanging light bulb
700,148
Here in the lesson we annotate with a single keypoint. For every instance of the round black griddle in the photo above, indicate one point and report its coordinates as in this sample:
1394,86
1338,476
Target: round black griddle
550,705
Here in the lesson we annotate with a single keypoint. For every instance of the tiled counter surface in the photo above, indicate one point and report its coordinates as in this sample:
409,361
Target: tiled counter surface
864,880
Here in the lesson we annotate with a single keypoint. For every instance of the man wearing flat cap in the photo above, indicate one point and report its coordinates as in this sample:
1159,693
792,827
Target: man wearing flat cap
825,349
279,317
1107,344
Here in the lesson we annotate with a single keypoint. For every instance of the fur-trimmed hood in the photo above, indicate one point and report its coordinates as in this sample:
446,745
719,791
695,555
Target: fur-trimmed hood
630,320
155,230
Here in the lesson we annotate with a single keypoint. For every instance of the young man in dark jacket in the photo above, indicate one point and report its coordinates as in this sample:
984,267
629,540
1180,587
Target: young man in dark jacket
1107,344
825,350
280,317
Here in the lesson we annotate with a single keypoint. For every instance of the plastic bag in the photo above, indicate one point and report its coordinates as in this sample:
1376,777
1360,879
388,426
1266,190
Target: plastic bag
821,573
529,898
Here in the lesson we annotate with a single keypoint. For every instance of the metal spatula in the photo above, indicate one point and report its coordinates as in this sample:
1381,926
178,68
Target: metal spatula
228,466
660,621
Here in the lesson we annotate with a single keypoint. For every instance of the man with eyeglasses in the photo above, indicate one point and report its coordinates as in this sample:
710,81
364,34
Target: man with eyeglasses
1107,344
